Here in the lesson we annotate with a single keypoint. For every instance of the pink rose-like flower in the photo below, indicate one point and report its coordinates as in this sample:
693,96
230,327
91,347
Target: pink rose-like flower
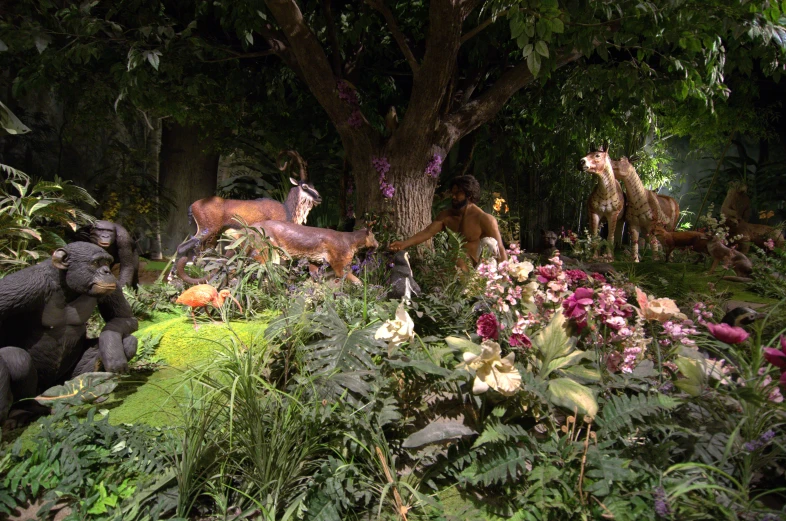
576,305
576,276
488,326
519,339
770,244
599,277
777,357
727,333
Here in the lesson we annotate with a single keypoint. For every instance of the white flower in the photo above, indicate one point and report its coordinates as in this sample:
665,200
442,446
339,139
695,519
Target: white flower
492,371
397,331
521,270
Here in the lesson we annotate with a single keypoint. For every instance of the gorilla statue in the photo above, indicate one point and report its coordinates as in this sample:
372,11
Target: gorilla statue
43,322
118,243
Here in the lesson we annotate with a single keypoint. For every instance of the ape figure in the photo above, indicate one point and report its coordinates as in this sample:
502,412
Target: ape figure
118,243
402,284
43,314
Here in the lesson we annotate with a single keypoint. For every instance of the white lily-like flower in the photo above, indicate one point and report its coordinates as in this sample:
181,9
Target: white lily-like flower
493,371
520,270
398,330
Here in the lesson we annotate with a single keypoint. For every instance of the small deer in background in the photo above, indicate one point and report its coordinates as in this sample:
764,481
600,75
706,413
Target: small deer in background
215,214
730,258
318,245
670,241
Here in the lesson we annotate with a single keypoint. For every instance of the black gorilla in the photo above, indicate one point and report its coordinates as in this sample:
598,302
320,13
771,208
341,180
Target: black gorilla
118,243
43,314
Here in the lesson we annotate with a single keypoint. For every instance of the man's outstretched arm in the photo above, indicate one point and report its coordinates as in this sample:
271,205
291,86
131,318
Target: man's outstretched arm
422,236
491,229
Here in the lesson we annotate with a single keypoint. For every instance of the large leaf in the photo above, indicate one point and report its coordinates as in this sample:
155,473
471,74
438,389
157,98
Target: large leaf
9,123
572,395
438,431
693,373
458,344
85,388
552,342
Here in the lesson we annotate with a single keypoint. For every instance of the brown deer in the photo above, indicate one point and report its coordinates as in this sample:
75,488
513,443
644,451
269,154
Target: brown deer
214,214
670,241
644,208
757,234
730,258
606,200
318,245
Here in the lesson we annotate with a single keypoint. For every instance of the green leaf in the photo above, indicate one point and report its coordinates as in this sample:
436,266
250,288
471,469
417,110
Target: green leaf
516,28
9,123
85,388
458,344
3,46
250,38
552,341
439,430
522,40
542,48
152,57
572,395
557,26
527,50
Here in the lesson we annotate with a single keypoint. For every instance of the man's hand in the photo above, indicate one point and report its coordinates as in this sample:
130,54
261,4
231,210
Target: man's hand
396,246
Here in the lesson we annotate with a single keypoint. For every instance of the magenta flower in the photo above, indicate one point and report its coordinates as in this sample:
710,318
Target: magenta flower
727,333
576,305
599,277
519,339
547,273
777,357
575,276
488,326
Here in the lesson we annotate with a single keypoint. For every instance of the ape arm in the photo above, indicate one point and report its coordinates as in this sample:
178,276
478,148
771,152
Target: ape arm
128,257
120,322
22,293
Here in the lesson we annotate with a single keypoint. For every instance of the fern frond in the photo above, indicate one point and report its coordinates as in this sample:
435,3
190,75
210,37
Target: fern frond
619,411
498,466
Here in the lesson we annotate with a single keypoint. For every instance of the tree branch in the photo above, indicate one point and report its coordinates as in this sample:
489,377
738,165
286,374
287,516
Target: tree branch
482,109
317,73
335,47
237,56
380,6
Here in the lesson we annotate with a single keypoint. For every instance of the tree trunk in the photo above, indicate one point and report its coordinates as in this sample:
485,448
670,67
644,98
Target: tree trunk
188,173
153,169
410,206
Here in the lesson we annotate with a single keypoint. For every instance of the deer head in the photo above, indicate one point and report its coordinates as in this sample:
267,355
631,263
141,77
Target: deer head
597,161
303,197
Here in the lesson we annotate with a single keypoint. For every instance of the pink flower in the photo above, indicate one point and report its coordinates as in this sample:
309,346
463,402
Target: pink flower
576,305
547,273
770,244
728,334
575,276
518,339
777,357
488,326
599,277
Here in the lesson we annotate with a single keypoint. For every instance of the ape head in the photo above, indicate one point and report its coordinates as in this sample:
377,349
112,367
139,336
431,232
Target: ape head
103,233
85,268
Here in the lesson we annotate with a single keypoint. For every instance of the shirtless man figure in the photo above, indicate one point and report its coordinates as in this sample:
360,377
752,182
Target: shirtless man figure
464,218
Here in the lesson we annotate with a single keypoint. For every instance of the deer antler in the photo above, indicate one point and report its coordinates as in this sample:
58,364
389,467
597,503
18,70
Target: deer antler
302,164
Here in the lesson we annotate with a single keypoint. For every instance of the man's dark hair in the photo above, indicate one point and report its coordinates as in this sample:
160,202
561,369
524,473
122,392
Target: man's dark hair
469,185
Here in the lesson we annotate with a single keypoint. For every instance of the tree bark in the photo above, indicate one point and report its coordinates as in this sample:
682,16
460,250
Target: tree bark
188,172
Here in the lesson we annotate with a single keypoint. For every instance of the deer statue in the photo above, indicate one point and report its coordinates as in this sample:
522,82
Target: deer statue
317,245
606,200
644,208
214,214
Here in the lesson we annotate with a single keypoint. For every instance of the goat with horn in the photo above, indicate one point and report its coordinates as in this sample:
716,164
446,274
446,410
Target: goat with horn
213,215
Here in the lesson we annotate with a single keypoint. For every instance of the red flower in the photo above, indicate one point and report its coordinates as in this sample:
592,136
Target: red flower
777,357
518,339
597,276
488,326
727,333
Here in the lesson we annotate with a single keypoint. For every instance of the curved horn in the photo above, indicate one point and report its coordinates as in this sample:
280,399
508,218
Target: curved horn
296,158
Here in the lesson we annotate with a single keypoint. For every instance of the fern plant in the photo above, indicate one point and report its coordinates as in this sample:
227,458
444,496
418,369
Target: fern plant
34,215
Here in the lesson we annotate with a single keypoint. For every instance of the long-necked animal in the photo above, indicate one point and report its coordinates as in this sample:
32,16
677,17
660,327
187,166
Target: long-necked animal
644,208
318,245
606,200
214,214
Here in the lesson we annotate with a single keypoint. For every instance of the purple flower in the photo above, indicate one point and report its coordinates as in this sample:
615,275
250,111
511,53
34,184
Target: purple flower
763,441
355,119
434,166
488,326
728,334
347,94
381,165
662,508
388,190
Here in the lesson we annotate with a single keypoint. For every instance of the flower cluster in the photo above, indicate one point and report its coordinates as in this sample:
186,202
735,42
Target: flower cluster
766,214
382,166
769,244
348,94
678,333
662,508
569,236
355,120
434,166
500,205
761,442
777,357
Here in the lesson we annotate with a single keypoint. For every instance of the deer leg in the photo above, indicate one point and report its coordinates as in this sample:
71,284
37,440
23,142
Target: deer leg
634,242
612,220
594,229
